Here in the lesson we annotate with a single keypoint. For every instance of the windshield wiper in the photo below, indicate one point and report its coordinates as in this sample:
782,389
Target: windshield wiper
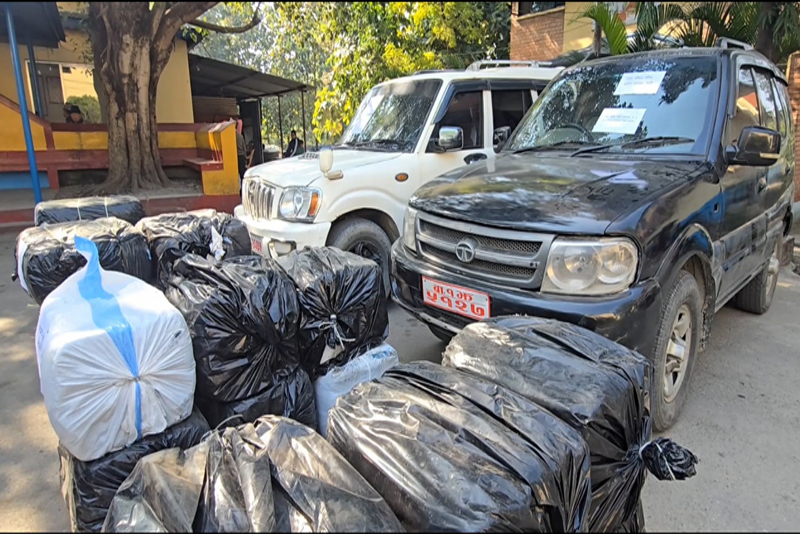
587,149
549,147
658,140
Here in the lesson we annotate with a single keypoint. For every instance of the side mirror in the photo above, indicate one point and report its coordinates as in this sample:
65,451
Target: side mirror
756,146
450,138
501,136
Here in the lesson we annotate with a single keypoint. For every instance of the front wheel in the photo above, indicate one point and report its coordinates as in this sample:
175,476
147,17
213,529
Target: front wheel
675,349
364,238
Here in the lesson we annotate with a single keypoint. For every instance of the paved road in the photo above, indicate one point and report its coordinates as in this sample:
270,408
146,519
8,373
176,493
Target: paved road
742,420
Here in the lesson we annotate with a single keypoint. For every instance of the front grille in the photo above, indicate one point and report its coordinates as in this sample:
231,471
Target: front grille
509,257
257,198
491,243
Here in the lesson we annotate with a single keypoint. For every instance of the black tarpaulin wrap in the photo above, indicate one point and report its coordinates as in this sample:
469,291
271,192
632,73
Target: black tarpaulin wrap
290,395
450,451
279,475
242,315
46,255
161,494
342,305
173,235
89,487
125,207
598,387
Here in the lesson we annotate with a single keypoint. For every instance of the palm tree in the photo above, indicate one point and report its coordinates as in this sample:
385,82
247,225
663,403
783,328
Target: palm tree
773,28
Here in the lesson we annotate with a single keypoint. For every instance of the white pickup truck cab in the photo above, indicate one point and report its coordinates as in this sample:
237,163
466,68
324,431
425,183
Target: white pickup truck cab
406,132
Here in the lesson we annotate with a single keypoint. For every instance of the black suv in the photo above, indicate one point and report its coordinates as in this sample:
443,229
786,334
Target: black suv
637,196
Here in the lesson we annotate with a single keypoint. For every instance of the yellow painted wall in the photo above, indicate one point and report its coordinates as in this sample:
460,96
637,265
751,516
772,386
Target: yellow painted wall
174,100
11,135
221,138
78,82
578,32
99,140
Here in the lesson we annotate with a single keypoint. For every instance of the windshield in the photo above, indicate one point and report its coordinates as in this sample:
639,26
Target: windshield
392,116
654,105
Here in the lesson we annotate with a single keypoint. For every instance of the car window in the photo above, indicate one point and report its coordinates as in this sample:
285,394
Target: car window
509,106
662,105
780,104
465,110
766,101
746,113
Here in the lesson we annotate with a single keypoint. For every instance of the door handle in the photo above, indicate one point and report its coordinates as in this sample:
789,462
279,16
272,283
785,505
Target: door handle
472,158
762,184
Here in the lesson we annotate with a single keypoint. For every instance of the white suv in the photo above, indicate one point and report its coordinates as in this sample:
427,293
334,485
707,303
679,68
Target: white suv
406,132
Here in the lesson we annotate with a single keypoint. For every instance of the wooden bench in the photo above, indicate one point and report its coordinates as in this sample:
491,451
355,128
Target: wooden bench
202,164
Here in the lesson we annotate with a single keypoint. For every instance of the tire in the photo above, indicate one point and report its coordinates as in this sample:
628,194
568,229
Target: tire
441,333
366,239
669,394
756,296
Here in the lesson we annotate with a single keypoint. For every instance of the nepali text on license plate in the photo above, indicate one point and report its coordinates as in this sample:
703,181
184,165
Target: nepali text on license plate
456,299
257,244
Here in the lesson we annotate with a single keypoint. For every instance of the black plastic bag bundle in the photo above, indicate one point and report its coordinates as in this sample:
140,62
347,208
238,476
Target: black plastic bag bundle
46,255
242,315
161,494
173,235
290,395
598,387
279,475
343,309
88,488
451,451
125,207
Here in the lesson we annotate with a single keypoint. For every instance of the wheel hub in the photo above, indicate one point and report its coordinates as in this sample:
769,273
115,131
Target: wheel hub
677,354
366,250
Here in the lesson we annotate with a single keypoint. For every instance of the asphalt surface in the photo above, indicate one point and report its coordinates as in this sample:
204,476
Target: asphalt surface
742,420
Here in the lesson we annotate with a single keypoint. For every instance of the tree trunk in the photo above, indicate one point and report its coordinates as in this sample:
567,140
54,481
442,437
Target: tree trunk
766,30
597,41
124,38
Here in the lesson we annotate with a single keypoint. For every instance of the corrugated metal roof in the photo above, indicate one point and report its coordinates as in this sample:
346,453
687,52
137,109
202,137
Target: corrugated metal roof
210,77
38,21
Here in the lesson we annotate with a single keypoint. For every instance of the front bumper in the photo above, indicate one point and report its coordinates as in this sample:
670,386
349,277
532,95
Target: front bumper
630,318
279,237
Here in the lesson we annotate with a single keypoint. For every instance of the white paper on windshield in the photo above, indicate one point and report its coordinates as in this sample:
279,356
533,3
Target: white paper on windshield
640,83
619,120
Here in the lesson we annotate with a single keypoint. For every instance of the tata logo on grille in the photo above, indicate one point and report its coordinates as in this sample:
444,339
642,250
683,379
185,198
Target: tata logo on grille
465,250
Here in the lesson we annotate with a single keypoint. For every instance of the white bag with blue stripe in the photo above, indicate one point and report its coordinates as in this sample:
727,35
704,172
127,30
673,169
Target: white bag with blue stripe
115,359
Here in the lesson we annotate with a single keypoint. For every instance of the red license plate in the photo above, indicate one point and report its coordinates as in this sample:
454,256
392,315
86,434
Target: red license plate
456,299
257,244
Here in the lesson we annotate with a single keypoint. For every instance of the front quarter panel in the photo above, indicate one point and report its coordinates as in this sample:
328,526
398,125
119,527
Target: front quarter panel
692,207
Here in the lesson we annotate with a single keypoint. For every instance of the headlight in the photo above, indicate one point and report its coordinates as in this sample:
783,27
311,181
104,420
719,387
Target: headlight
409,229
590,267
300,204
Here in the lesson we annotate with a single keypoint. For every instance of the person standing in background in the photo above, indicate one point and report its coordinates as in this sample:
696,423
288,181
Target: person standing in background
293,148
241,152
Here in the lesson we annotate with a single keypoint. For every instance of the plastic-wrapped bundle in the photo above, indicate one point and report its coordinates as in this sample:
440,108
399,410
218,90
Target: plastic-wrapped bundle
342,305
598,387
125,207
89,487
161,494
340,380
291,395
312,489
451,451
115,360
202,232
243,315
46,255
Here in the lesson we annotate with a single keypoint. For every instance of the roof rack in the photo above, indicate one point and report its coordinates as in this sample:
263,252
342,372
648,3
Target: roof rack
476,66
725,42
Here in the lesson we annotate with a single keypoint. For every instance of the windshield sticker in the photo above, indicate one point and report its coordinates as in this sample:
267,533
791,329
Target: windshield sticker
640,83
619,120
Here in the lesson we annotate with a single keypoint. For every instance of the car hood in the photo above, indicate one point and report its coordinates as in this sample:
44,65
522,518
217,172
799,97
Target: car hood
580,195
304,169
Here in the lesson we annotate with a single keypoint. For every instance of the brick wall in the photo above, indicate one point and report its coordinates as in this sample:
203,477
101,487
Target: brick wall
537,36
793,76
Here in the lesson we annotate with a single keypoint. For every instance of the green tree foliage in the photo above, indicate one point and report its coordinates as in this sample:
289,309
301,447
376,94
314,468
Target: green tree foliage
342,49
89,106
773,28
